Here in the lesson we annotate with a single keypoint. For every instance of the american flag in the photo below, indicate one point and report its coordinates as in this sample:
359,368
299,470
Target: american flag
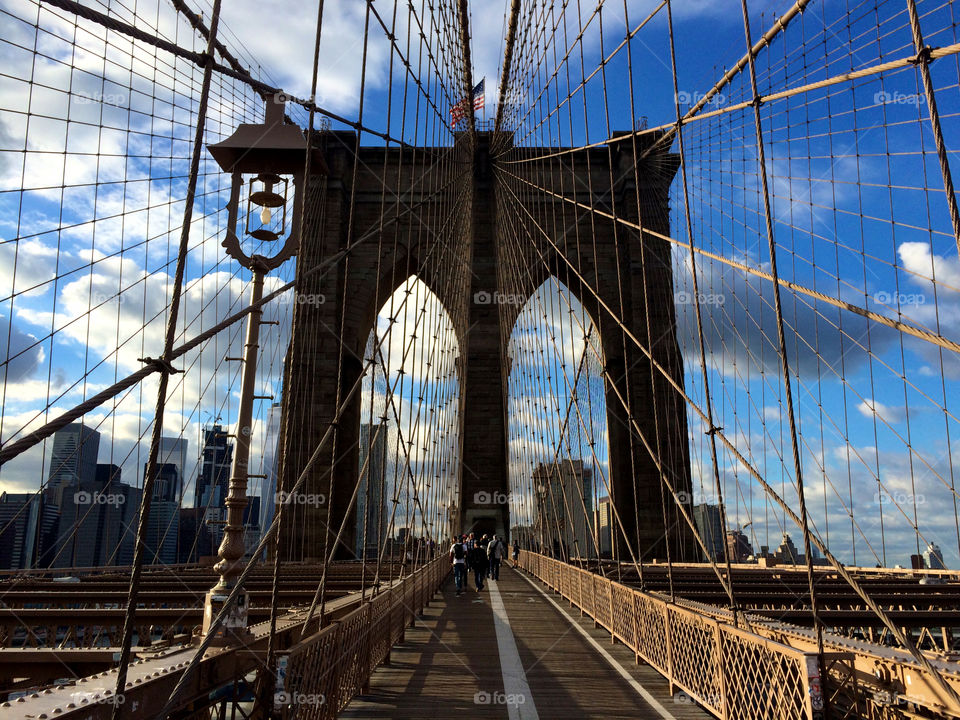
459,111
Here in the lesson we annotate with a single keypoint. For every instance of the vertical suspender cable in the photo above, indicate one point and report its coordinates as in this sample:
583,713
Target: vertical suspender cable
167,367
782,342
923,62
708,401
267,687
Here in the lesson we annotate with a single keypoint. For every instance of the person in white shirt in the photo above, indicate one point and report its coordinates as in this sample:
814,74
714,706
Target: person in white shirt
458,556
495,553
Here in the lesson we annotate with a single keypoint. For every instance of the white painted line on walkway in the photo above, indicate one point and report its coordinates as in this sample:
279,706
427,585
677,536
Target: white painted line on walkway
518,698
614,663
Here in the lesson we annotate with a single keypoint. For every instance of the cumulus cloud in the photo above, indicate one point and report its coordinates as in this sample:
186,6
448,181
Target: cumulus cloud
740,324
341,47
918,258
871,408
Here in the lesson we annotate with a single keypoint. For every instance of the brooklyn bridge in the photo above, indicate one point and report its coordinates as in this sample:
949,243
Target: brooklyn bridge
506,359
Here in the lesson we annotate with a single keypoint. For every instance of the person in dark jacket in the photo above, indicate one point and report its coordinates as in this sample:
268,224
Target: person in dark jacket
478,563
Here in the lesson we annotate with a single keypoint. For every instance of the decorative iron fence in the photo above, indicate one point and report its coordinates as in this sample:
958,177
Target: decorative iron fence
733,673
322,673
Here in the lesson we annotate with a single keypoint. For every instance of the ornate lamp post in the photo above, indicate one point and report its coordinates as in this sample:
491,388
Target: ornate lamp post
272,157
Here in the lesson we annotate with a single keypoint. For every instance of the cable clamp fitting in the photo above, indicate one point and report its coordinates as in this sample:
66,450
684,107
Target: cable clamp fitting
160,364
757,101
924,57
714,430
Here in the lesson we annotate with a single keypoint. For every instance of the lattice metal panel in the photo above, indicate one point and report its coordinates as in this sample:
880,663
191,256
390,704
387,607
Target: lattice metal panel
602,602
652,629
758,682
589,599
326,670
624,617
696,666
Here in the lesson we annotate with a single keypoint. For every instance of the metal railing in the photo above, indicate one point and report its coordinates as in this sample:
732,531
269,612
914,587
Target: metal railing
732,673
319,676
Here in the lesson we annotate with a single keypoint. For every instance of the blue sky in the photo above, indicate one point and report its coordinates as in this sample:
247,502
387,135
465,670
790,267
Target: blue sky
857,201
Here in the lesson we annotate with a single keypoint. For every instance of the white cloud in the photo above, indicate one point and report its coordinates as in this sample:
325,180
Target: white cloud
944,269
870,408
291,61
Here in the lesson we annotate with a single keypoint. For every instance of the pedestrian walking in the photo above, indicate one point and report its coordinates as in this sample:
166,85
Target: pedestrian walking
458,556
478,563
516,556
495,553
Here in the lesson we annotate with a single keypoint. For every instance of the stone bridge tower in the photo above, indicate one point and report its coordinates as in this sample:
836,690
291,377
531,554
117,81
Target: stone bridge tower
454,241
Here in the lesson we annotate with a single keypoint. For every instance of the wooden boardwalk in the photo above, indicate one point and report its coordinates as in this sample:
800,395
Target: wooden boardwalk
451,665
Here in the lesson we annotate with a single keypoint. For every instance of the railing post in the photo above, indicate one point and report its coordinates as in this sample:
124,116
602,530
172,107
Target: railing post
413,602
368,633
636,625
593,606
613,624
401,612
721,675
668,634
333,701
580,576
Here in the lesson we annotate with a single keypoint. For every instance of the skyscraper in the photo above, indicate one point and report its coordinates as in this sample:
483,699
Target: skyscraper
271,457
195,540
163,533
933,557
74,456
214,477
28,526
564,492
163,525
787,552
604,524
168,483
371,515
710,527
94,518
173,451
738,545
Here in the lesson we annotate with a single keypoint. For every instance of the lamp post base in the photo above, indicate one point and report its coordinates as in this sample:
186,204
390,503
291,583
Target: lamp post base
234,627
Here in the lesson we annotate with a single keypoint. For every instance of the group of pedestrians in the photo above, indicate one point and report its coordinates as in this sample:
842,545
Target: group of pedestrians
483,556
